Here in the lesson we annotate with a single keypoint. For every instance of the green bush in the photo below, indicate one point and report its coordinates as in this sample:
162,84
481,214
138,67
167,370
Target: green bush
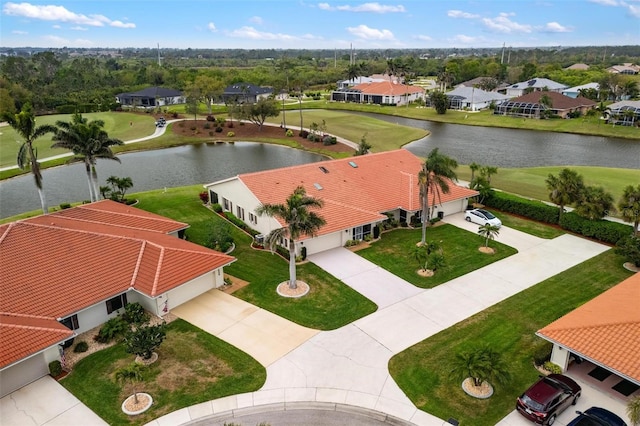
65,206
552,367
533,209
284,252
230,134
81,347
329,140
216,207
542,352
289,133
145,339
111,329
218,129
629,248
303,253
240,224
134,313
602,230
220,239
55,368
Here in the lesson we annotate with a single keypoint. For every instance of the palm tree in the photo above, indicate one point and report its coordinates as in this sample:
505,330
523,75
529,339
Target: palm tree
489,171
133,374
88,141
437,171
629,207
488,232
474,167
299,220
633,410
482,365
565,189
24,123
595,203
353,71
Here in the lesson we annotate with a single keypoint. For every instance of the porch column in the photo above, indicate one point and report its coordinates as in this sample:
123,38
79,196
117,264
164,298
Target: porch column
560,356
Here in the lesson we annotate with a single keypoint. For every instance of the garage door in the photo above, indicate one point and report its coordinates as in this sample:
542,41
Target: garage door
22,374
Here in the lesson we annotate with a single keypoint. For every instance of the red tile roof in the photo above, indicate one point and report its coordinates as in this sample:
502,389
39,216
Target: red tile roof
352,196
388,88
558,100
55,265
605,329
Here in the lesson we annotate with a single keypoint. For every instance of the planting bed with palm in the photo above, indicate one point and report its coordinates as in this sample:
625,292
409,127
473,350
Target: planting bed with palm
425,372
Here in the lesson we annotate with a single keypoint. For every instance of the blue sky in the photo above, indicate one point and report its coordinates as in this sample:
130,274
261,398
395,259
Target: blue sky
288,24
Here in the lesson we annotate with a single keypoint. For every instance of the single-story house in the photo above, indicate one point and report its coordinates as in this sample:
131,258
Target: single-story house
624,113
343,84
626,68
381,93
530,106
245,93
358,193
604,331
578,67
536,85
67,272
574,92
473,99
484,83
151,97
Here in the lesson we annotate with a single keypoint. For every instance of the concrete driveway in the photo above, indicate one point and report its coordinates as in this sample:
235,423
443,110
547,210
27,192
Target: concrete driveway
45,402
263,335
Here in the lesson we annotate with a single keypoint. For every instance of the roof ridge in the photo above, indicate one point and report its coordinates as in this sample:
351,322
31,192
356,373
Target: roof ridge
82,231
593,326
158,218
6,231
134,276
75,219
16,314
156,278
35,327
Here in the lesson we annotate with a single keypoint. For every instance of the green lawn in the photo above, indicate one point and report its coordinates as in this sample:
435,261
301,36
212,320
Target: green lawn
422,371
193,366
117,124
393,252
330,303
537,229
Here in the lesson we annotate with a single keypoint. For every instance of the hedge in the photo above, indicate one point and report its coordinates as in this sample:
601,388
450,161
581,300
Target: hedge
602,230
240,224
533,209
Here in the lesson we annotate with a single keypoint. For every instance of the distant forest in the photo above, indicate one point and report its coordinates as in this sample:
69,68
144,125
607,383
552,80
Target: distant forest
90,78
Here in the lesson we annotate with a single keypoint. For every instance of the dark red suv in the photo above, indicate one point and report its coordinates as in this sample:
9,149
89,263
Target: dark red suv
547,398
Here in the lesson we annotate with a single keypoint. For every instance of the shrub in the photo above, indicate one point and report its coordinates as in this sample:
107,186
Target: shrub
207,126
240,224
134,313
313,138
211,118
303,134
230,134
65,206
218,129
602,230
433,220
289,133
629,247
174,114
542,352
228,281
536,210
552,367
329,140
55,368
81,347
204,197
145,339
220,239
351,243
111,329
368,238
230,124
284,252
216,207
303,253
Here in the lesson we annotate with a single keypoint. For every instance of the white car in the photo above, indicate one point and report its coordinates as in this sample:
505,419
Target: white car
481,217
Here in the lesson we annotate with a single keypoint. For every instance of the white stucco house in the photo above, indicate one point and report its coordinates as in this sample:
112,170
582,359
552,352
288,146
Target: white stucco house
358,193
67,272
473,99
536,85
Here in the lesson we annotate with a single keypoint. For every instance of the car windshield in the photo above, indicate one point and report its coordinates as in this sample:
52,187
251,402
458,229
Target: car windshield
534,405
487,214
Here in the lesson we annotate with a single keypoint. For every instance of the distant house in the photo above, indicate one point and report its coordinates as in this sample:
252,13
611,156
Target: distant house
67,272
536,85
530,105
483,83
343,84
473,99
574,92
626,68
245,93
151,97
358,193
623,113
578,67
381,93
605,332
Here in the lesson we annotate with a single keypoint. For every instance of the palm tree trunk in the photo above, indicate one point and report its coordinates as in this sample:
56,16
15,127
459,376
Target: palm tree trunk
284,115
35,169
87,167
300,109
43,201
425,216
94,177
292,265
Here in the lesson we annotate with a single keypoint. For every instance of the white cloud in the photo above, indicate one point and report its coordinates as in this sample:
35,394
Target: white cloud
312,37
59,13
60,41
554,27
606,2
56,27
464,39
79,28
633,10
256,20
632,6
423,37
461,14
211,27
362,31
252,33
56,41
503,24
18,32
365,7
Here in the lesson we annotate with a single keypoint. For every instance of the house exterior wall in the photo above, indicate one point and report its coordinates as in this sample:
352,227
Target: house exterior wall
560,356
324,242
150,304
94,315
21,374
195,287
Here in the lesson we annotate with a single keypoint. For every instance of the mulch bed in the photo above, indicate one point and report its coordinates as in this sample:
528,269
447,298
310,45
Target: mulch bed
248,132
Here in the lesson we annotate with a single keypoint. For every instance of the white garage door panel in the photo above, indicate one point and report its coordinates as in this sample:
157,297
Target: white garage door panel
22,374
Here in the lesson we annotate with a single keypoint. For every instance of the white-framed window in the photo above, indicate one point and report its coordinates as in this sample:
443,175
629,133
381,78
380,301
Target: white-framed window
240,212
253,218
118,302
71,322
225,204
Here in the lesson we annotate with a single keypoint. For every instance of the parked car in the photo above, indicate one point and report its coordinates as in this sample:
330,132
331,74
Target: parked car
547,398
482,217
596,416
161,122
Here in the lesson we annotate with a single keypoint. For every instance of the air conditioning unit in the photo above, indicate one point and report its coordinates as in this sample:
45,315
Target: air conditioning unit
259,239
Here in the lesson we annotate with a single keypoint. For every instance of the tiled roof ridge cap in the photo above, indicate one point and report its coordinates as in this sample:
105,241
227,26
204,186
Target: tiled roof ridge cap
6,231
159,218
156,278
593,326
82,231
34,327
19,315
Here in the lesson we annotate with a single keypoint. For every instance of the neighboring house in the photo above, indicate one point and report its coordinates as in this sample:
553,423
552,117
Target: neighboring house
530,106
245,93
67,272
578,67
604,331
626,68
625,113
536,85
483,82
574,92
381,93
470,98
343,84
358,193
151,97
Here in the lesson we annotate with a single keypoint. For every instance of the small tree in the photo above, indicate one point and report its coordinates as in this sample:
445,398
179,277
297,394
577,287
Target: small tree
363,146
483,186
633,410
439,101
257,113
565,189
629,207
629,247
595,203
144,339
117,188
220,239
482,365
133,373
488,232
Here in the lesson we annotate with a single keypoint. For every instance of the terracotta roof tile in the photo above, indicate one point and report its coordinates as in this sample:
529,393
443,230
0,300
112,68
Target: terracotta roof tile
558,100
352,195
605,329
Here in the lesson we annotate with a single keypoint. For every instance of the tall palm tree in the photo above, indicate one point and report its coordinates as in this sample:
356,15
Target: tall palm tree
437,171
565,189
24,123
629,207
595,203
474,167
88,141
299,220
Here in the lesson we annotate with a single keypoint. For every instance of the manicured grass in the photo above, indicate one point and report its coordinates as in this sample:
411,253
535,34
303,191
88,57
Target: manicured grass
537,229
394,252
193,367
423,371
117,124
381,135
329,304
529,182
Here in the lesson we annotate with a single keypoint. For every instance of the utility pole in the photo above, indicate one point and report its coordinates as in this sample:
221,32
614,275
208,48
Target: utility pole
502,59
159,60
